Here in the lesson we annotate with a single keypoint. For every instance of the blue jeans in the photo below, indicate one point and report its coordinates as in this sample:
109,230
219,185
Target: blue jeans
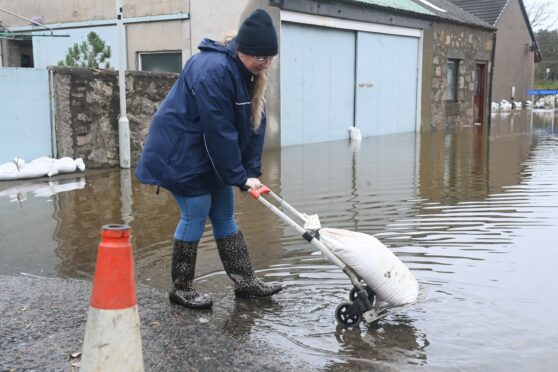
218,205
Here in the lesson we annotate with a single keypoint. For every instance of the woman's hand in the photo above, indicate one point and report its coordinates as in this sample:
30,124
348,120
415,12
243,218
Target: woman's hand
253,183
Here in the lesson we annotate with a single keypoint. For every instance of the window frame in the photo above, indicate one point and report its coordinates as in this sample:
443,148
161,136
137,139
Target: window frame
140,54
455,77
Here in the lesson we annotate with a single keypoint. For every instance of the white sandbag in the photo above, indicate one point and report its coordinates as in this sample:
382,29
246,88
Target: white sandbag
381,270
66,165
8,171
36,168
43,166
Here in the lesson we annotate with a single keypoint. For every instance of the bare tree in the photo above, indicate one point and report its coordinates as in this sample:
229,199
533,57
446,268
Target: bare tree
541,13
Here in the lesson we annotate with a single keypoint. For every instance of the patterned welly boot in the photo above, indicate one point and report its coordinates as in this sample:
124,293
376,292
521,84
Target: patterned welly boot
182,272
236,261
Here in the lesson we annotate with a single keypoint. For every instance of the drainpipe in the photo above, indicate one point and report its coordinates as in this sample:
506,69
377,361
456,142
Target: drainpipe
52,112
123,123
3,52
491,79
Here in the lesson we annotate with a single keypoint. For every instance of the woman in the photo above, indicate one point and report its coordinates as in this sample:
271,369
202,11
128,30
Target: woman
206,137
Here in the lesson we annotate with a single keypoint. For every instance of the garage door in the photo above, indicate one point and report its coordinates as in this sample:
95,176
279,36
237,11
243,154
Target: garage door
317,83
386,89
333,78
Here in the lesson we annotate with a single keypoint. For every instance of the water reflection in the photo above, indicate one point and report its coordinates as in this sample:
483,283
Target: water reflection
246,314
41,190
471,212
382,345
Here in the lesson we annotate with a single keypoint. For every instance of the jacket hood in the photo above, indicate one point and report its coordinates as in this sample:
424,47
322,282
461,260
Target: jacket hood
216,46
230,49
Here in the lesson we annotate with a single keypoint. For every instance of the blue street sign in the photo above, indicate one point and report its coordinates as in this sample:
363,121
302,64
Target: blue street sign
541,92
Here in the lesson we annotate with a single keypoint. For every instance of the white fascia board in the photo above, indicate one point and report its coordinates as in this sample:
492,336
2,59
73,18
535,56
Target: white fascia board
345,24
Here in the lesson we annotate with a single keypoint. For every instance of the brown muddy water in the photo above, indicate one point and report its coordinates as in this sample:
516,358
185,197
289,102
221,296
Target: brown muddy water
474,215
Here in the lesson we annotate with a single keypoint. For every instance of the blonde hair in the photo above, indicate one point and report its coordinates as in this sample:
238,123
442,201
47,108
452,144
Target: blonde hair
258,100
257,104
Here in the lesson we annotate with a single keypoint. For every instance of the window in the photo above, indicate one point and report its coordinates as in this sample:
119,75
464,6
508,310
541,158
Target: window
451,87
161,62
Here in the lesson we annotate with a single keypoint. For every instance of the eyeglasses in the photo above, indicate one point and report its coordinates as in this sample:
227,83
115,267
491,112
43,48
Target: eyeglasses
263,60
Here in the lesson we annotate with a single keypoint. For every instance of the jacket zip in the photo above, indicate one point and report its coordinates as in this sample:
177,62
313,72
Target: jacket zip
211,160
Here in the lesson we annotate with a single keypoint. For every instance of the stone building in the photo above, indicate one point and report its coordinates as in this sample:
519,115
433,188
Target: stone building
517,50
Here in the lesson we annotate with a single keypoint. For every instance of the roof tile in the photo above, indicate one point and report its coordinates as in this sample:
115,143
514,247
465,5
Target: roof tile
487,10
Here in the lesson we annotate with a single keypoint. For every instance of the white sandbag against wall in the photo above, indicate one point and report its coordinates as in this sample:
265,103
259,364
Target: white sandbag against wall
382,271
42,166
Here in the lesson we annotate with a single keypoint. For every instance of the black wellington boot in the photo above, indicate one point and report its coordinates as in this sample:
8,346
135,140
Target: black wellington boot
236,261
182,272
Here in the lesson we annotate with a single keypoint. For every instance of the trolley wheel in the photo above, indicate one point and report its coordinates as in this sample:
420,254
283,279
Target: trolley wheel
344,315
371,295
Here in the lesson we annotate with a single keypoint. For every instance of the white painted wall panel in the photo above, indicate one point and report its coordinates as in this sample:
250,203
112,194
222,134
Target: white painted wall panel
24,114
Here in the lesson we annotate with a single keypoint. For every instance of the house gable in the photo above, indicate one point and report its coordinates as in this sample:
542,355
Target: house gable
514,62
492,11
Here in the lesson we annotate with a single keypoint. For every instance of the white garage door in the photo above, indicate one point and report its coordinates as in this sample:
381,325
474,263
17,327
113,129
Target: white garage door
333,78
317,83
386,89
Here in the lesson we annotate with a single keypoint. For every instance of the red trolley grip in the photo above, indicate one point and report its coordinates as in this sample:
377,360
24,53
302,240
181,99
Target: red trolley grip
257,192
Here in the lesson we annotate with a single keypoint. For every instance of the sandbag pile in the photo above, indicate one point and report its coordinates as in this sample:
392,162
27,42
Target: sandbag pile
40,167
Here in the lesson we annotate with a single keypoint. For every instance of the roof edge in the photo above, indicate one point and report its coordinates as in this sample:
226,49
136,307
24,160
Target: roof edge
502,12
428,17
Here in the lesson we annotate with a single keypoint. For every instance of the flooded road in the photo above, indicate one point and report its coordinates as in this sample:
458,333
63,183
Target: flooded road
474,215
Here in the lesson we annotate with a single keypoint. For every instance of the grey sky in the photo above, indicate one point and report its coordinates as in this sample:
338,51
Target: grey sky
553,22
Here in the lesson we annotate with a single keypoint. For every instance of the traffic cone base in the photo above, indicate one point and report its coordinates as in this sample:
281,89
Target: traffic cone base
112,341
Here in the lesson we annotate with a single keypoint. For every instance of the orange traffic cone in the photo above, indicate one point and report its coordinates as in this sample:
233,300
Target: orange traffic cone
112,334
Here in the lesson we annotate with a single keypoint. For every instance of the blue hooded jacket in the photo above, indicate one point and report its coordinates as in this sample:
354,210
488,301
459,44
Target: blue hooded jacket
202,137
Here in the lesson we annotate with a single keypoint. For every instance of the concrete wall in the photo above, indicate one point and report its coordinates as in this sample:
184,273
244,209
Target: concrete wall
157,37
514,64
214,19
87,109
470,46
60,11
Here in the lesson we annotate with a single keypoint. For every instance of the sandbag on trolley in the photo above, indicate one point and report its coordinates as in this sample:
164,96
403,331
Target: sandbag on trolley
380,269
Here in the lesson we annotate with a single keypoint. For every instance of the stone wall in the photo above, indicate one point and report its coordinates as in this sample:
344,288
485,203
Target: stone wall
468,45
86,106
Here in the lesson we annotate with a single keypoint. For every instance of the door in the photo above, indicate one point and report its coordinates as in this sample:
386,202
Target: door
480,89
386,83
317,83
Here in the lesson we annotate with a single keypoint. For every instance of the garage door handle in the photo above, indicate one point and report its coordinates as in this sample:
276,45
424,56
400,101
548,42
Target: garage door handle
365,85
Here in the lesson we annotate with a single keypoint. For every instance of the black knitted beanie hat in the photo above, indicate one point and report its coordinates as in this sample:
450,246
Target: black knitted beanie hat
256,35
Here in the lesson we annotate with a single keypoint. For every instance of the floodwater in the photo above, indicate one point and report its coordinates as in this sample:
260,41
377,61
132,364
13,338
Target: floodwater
473,214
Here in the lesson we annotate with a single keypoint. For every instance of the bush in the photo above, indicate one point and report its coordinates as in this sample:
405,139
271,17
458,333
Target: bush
90,53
